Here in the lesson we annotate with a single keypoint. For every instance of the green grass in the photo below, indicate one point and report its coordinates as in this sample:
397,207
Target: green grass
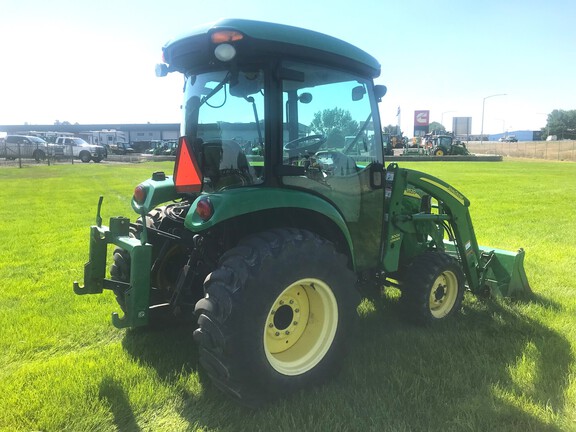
499,365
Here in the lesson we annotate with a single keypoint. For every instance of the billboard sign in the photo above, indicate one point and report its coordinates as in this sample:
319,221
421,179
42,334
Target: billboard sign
421,122
462,125
421,118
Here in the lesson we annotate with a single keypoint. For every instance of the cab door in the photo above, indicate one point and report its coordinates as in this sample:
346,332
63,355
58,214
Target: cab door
332,146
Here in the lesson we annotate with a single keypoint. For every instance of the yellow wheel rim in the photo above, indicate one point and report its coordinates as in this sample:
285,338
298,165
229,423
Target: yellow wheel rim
443,294
300,326
439,153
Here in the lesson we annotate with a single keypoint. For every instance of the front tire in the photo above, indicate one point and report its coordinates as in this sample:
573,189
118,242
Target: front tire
276,315
432,288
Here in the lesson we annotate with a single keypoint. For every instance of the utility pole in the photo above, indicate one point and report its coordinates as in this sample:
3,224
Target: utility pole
483,103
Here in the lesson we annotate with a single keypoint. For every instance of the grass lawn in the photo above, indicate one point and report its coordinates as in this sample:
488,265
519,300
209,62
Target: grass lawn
497,366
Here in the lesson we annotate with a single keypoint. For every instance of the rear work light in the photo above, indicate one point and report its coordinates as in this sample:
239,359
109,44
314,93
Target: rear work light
224,52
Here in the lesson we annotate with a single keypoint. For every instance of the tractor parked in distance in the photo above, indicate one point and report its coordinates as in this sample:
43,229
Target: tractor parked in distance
265,249
444,145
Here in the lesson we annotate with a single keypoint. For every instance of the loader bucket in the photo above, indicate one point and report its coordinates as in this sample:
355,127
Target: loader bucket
500,270
505,274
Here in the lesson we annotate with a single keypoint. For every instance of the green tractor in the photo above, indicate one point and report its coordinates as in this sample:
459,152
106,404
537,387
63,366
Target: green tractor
265,250
445,145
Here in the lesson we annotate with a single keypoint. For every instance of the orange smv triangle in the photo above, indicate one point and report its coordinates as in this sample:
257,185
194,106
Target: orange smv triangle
187,175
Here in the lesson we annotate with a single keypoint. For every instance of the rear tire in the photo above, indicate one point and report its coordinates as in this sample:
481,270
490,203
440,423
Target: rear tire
432,288
276,315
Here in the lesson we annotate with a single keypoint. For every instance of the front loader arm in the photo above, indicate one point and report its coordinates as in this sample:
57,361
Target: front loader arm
501,271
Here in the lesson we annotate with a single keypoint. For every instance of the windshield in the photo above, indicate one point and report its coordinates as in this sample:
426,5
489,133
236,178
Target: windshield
223,115
446,141
328,111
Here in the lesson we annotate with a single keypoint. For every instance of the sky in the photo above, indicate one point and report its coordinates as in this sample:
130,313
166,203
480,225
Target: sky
92,62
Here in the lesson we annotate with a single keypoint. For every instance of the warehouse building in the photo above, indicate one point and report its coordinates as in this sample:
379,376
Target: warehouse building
137,134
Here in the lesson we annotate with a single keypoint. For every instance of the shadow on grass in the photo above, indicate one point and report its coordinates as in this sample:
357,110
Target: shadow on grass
521,340
490,368
168,350
114,394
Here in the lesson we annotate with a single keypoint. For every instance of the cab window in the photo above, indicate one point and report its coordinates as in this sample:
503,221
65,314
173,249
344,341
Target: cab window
330,142
224,118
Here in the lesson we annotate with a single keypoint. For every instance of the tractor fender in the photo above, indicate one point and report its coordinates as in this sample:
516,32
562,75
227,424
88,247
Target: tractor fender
232,203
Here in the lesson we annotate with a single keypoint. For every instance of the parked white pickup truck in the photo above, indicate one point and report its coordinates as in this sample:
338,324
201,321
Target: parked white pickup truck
78,148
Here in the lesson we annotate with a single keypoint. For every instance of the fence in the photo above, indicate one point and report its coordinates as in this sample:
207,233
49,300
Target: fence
27,161
551,150
61,160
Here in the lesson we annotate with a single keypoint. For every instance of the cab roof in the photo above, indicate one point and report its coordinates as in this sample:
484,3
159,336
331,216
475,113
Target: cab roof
280,39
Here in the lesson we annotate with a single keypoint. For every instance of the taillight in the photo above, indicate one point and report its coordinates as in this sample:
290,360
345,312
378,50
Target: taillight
204,208
140,194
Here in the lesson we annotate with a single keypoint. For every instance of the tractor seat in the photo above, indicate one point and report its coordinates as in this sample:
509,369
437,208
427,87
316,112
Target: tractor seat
224,165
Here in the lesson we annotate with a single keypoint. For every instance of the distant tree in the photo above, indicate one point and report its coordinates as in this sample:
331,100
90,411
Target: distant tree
435,126
561,123
334,121
392,129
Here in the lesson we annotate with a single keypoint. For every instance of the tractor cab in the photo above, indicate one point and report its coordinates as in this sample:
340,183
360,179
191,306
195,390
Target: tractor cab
270,106
444,145
260,111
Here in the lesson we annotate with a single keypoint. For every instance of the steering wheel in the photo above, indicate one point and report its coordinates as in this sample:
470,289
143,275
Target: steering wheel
308,144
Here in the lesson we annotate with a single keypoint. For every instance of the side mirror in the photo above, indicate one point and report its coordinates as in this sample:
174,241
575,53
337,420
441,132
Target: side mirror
305,98
358,93
380,91
161,70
